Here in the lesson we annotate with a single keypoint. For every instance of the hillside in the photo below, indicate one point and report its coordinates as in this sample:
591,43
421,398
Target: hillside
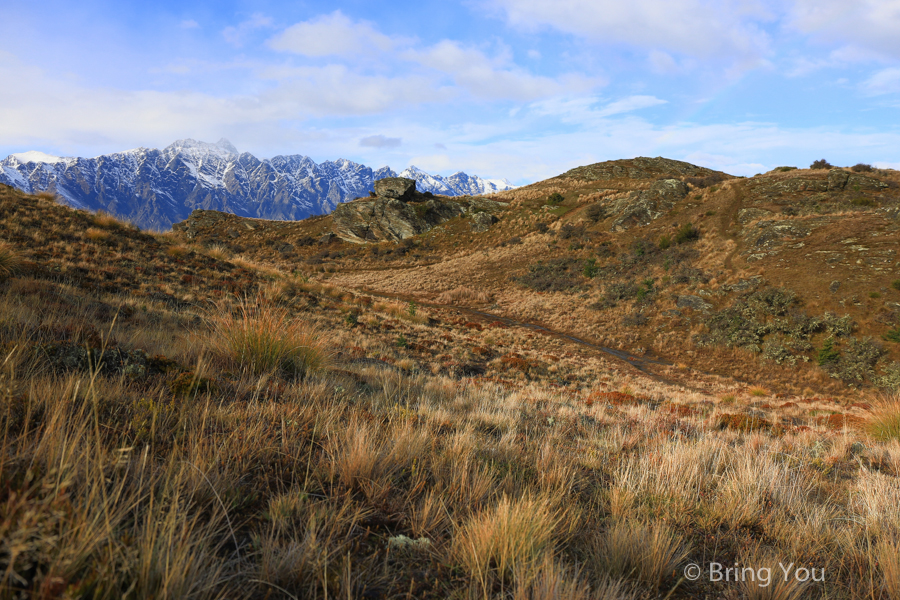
747,278
529,396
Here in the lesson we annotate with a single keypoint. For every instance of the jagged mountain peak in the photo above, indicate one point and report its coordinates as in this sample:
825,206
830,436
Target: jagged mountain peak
156,188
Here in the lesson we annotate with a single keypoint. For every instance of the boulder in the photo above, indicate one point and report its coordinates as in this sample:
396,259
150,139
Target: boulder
482,221
639,208
399,188
837,179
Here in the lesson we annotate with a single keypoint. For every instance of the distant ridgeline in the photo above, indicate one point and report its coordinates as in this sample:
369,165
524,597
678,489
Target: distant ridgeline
156,188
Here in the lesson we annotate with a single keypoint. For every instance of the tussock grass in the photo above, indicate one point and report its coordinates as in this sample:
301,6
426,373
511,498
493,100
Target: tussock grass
885,423
652,554
261,338
508,541
219,252
10,261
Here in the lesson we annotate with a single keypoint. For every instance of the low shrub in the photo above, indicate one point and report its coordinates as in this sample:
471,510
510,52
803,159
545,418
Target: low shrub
862,168
595,212
821,164
555,198
665,242
784,169
686,233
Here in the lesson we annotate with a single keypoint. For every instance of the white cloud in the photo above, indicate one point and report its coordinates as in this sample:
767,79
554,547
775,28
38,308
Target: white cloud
329,35
886,81
864,27
497,77
583,110
380,141
237,35
712,29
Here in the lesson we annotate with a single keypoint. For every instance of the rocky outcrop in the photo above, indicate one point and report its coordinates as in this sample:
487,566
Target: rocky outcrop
642,207
693,302
399,188
482,221
408,214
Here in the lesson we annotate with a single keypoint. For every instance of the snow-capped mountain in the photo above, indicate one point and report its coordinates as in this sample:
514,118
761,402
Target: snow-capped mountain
156,188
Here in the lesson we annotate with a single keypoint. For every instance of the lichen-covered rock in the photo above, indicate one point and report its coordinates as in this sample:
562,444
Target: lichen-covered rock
642,207
482,221
693,302
745,215
399,188
376,219
837,179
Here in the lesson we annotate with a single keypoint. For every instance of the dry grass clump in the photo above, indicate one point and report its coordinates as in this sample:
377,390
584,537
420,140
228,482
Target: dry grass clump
508,541
219,252
10,261
634,549
464,295
106,220
262,338
885,423
97,235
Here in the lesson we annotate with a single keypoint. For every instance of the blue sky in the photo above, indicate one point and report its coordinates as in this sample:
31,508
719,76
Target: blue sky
522,89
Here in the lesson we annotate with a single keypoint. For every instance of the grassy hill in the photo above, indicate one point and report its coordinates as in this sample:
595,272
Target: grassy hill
572,404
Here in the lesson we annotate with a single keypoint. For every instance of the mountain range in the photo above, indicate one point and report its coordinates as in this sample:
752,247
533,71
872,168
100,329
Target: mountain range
155,188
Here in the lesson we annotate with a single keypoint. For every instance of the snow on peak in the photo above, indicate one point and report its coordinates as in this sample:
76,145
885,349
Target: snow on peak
34,156
223,148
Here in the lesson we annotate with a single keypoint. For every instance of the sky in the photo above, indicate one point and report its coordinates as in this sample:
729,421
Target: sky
516,89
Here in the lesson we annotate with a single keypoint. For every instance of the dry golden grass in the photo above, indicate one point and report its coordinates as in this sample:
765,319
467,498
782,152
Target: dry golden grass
217,472
10,261
885,423
261,338
464,295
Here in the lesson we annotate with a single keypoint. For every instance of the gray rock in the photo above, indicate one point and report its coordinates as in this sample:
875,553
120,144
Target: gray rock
374,219
834,287
745,215
693,302
482,221
400,188
327,238
642,207
837,179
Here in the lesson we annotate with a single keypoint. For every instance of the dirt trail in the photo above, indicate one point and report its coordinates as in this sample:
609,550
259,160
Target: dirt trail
729,217
643,364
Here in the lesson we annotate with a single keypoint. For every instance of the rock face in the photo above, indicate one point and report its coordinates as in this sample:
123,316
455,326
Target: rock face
409,214
399,188
642,207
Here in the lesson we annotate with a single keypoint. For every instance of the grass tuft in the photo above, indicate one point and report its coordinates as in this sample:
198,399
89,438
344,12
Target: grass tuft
262,338
10,261
885,423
